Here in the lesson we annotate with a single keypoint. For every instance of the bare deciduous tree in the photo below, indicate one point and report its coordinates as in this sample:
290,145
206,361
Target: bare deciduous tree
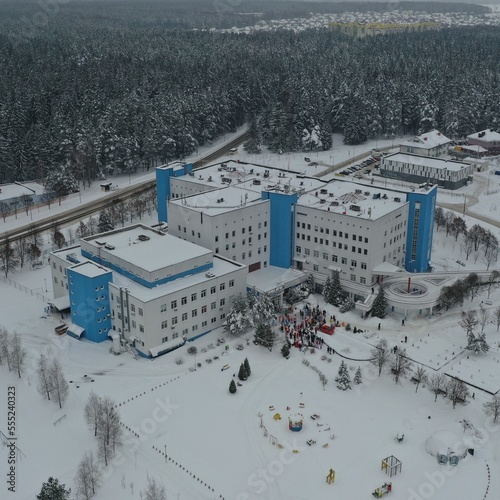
5,349
60,386
492,408
484,317
88,476
380,355
91,411
154,491
493,279
496,316
44,383
420,376
437,384
400,365
457,391
17,353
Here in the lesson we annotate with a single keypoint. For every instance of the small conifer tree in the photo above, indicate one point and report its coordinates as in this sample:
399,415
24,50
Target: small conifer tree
358,377
379,304
343,380
247,367
232,387
242,374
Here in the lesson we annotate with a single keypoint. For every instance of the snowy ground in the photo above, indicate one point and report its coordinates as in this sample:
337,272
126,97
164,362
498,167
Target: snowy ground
214,442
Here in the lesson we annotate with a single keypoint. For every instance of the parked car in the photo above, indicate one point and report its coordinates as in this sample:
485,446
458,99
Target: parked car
313,163
307,159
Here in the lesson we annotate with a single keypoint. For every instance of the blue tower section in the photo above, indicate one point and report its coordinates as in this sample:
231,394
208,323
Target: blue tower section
281,233
89,300
420,230
163,175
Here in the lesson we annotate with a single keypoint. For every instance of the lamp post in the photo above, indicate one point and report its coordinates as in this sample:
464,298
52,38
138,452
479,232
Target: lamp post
45,280
165,453
465,200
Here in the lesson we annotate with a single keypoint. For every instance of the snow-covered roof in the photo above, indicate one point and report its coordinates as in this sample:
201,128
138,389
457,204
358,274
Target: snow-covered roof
176,165
349,198
269,279
143,247
425,161
253,177
387,268
475,149
487,135
220,200
9,191
61,303
166,346
221,267
428,140
90,269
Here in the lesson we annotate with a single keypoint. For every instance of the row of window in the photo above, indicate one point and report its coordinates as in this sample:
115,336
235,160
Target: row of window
326,230
174,303
185,331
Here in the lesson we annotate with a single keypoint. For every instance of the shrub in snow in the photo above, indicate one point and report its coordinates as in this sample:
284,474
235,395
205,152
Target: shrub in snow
285,350
347,305
179,361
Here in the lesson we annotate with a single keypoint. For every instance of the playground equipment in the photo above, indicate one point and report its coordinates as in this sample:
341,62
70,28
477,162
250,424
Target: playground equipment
391,465
330,478
277,416
383,490
448,447
310,442
296,422
399,438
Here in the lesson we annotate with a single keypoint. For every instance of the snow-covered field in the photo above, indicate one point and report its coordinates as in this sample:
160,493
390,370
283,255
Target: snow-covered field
216,444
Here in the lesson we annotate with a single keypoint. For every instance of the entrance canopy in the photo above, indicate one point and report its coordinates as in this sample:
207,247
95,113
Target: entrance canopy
274,279
387,268
61,303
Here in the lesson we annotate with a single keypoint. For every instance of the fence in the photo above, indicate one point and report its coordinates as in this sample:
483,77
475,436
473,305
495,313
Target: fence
24,289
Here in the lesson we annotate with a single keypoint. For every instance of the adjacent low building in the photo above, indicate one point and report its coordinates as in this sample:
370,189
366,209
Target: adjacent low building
152,289
432,144
448,174
487,139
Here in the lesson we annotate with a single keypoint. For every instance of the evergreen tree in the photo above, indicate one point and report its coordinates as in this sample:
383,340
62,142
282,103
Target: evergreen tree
237,319
232,387
52,490
327,290
242,374
285,350
343,379
264,336
379,304
252,144
247,367
104,223
262,309
358,377
336,295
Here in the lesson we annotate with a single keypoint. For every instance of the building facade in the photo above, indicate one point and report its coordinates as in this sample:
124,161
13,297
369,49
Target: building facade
448,174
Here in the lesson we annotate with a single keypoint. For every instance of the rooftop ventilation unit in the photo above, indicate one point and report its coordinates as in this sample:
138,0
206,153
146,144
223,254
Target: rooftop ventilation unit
334,203
398,200
100,242
376,196
384,196
358,191
355,208
143,237
256,182
323,191
109,247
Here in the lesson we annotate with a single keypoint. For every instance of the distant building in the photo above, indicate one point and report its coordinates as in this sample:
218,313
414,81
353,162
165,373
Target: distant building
432,143
487,139
361,30
421,169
